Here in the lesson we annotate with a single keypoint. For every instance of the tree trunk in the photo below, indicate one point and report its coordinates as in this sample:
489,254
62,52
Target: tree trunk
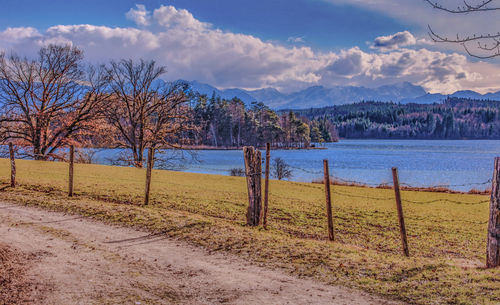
214,135
231,133
37,149
239,132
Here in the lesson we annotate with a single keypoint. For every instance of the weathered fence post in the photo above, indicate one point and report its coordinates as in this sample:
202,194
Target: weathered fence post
148,175
402,227
71,169
12,166
328,200
493,244
266,185
253,171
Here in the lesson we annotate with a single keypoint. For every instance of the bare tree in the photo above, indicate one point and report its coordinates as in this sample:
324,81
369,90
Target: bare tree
280,169
237,172
478,45
145,111
46,101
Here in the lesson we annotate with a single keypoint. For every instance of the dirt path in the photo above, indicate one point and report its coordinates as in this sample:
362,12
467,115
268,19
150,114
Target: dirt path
88,262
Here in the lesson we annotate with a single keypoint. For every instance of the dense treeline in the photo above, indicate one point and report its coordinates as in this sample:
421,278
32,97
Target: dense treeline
455,118
229,123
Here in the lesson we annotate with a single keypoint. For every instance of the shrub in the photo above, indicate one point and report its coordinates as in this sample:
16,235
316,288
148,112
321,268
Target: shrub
280,169
238,172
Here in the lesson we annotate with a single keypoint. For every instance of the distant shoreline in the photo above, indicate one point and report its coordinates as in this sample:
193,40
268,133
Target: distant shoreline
203,147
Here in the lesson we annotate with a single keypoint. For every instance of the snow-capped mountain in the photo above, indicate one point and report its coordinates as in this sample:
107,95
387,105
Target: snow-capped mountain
320,96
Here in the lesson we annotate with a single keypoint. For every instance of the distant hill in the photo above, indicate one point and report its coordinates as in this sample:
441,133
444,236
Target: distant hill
225,94
437,98
455,118
320,96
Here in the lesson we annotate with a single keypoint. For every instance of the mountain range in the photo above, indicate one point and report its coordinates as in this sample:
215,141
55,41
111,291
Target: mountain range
320,96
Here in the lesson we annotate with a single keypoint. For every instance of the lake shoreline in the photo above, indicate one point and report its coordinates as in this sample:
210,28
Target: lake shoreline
223,148
456,165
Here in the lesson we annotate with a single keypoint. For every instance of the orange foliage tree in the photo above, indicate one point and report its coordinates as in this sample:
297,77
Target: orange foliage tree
46,102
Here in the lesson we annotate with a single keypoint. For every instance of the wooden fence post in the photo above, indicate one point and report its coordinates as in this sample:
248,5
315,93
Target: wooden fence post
71,169
253,172
148,175
12,166
328,200
493,244
402,227
266,185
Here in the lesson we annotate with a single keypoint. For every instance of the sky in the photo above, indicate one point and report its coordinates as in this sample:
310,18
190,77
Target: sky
285,44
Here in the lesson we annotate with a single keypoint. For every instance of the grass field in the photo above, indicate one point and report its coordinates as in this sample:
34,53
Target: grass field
447,237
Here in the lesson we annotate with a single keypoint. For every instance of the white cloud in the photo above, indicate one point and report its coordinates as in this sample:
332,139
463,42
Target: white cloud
139,15
16,34
436,71
395,41
169,16
16,38
104,38
296,39
192,49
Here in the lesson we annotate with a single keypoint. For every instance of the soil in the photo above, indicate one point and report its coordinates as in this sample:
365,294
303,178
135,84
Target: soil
66,259
15,286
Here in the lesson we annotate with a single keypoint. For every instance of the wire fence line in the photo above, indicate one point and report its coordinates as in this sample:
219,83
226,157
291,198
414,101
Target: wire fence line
455,185
390,198
340,180
255,169
336,180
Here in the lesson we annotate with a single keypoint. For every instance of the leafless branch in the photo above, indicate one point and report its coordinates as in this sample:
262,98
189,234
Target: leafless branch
145,111
481,46
466,7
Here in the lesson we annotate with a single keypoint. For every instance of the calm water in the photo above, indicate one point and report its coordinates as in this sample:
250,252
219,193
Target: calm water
420,162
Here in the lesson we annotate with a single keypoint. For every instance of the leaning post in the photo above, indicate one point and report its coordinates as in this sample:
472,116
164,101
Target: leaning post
402,227
329,213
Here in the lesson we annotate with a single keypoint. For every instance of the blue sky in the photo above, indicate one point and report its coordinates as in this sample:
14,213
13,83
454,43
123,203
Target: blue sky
286,44
320,24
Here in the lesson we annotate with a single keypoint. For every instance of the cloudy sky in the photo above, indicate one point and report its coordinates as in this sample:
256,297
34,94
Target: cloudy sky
286,44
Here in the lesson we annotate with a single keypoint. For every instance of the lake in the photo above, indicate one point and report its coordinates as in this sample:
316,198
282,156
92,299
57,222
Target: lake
459,164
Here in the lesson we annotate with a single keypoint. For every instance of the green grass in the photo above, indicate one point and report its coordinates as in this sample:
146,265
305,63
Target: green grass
447,240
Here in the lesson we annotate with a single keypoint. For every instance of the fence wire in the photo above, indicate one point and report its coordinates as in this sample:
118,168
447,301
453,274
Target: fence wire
337,179
390,198
340,180
452,185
